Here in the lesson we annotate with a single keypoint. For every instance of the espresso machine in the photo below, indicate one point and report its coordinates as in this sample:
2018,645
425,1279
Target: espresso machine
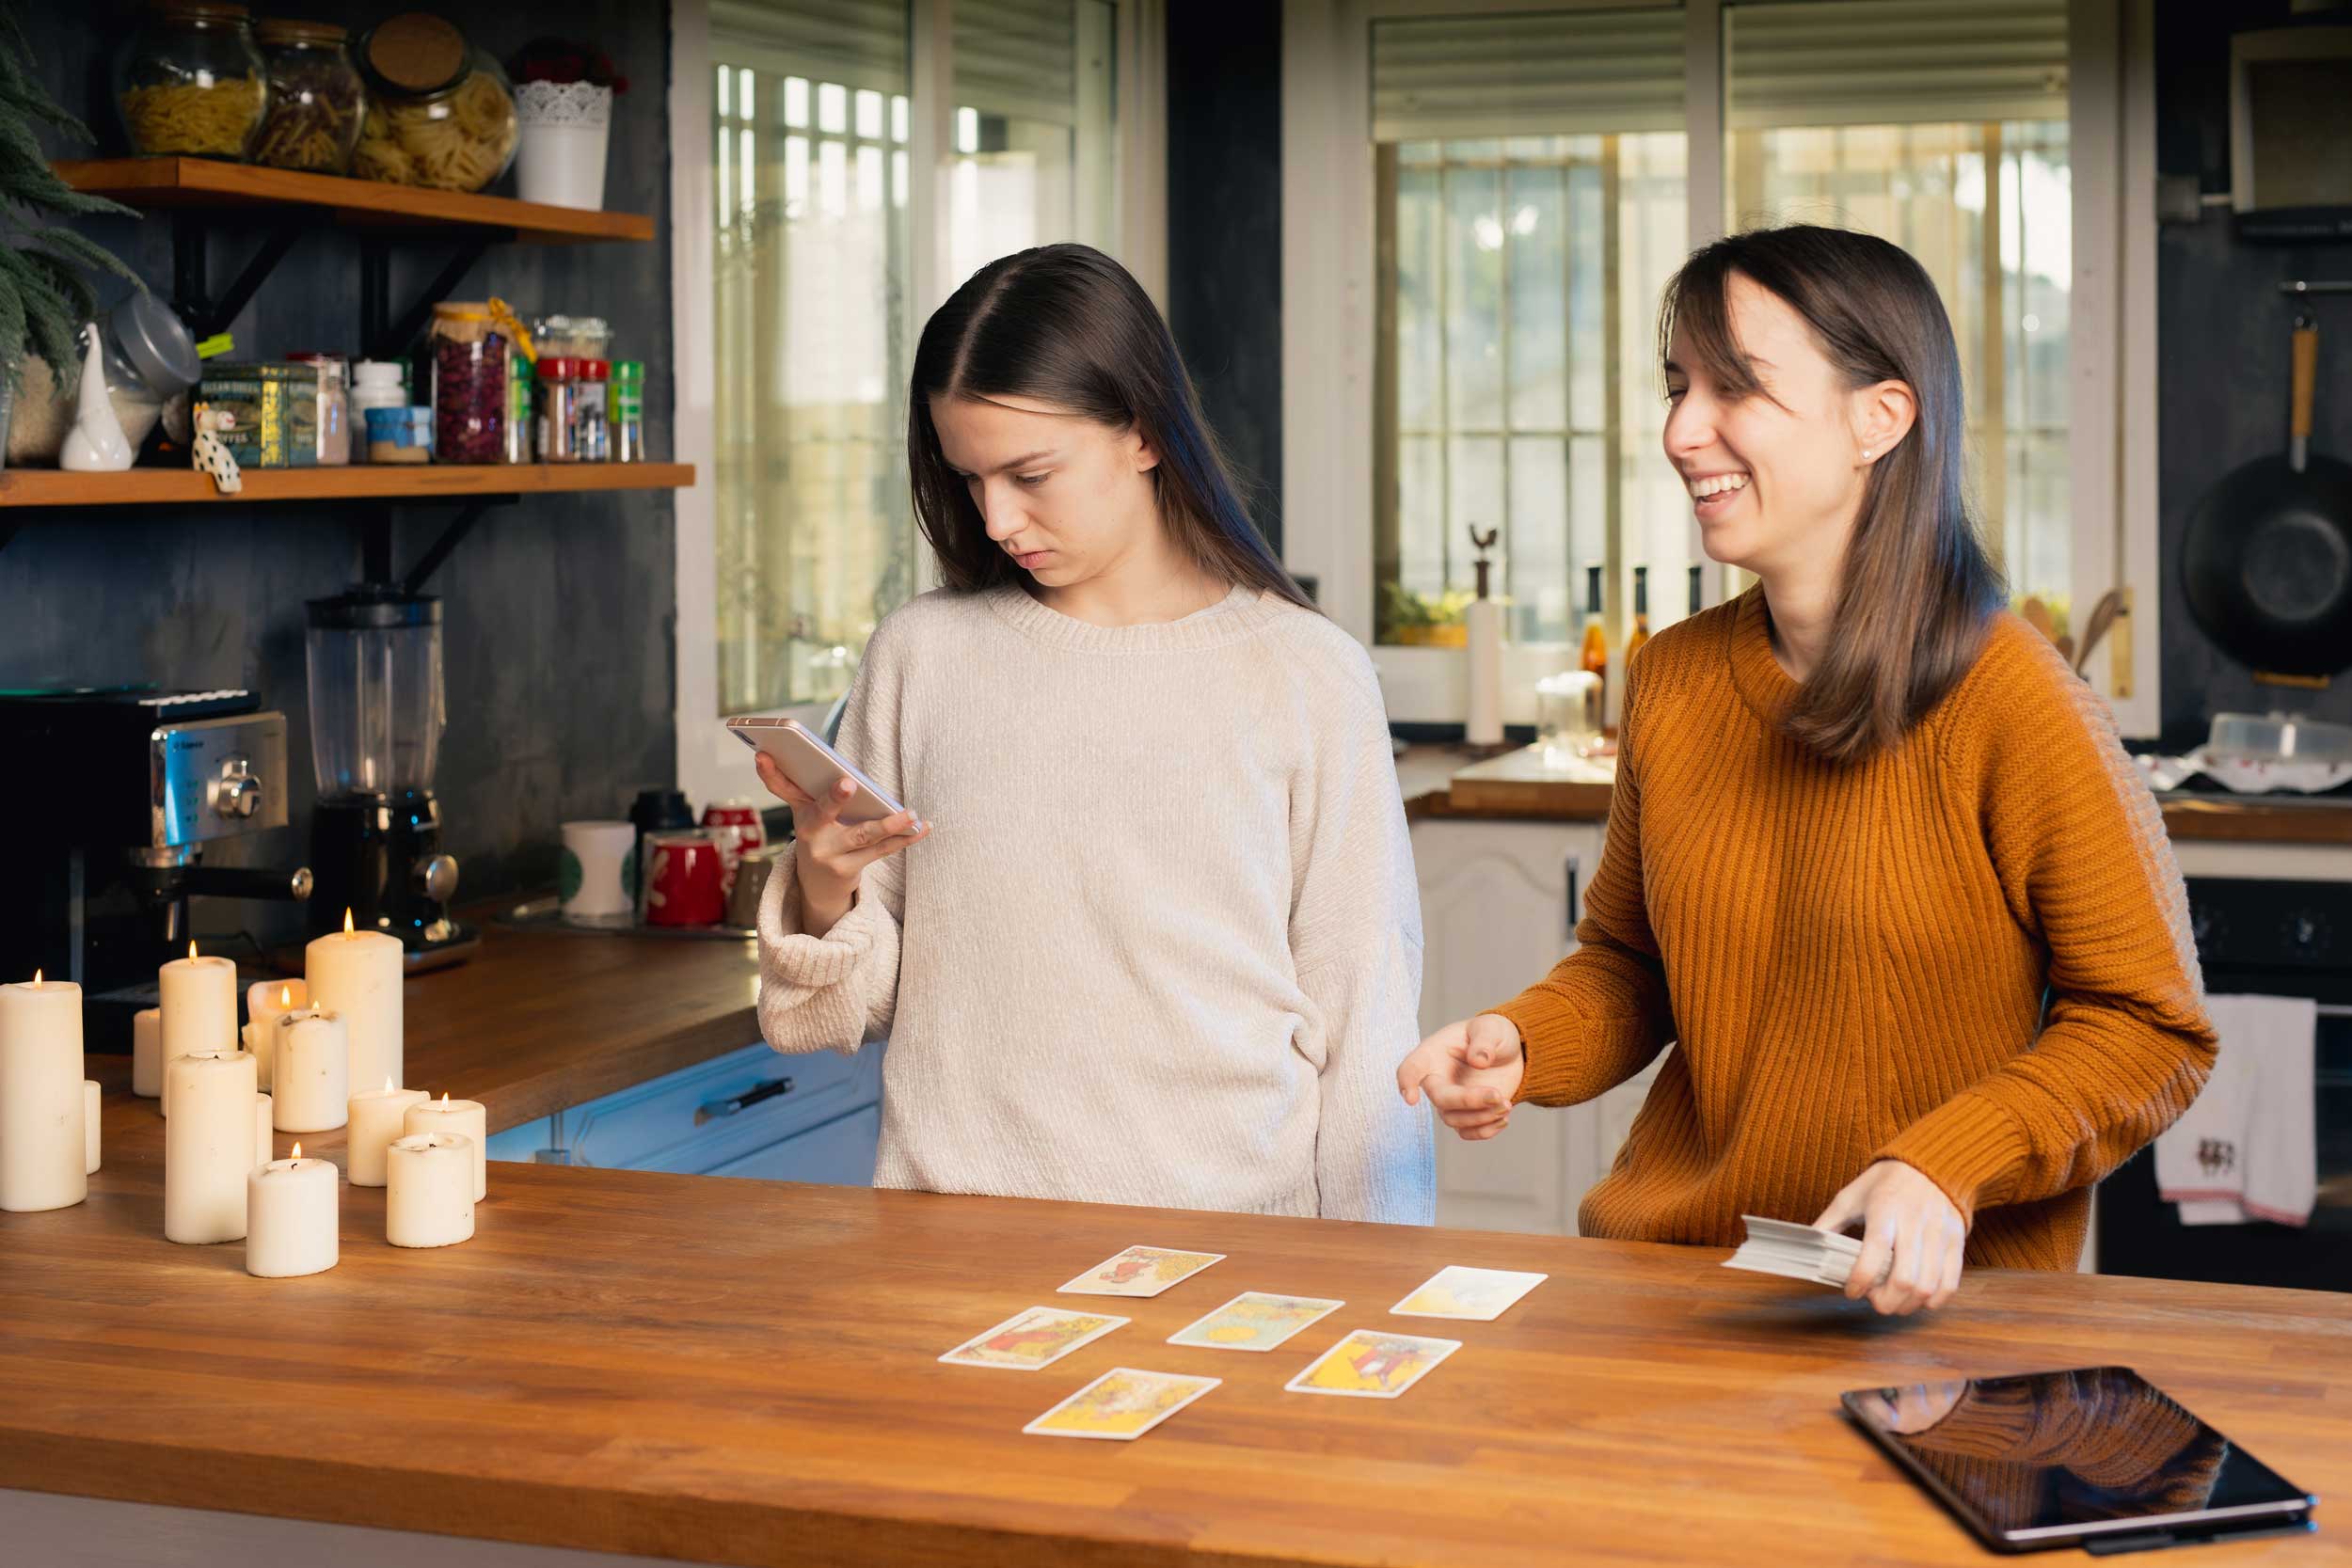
113,795
376,715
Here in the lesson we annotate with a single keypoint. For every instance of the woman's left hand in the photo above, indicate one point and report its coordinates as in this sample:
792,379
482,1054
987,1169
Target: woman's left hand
1907,1223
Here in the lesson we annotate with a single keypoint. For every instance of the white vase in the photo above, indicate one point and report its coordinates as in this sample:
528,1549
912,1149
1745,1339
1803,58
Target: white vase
565,127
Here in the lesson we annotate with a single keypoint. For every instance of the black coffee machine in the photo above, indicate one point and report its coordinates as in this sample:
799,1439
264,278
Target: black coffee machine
376,715
112,796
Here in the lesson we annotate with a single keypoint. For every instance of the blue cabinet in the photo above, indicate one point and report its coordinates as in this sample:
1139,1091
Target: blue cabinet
750,1113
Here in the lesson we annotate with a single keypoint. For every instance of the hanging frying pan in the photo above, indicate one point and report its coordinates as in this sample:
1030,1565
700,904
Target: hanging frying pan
2268,561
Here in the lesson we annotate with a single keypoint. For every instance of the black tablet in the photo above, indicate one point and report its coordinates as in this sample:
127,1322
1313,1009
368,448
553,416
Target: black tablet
2098,1458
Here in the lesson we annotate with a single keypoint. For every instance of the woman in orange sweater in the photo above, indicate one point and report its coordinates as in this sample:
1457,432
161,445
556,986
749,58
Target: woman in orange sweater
1877,868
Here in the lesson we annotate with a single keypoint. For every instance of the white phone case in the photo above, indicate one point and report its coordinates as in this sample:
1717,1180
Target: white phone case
814,765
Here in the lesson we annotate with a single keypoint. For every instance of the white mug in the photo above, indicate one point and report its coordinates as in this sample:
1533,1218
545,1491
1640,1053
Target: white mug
598,874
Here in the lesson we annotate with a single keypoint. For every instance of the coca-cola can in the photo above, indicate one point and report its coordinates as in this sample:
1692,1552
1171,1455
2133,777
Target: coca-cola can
734,827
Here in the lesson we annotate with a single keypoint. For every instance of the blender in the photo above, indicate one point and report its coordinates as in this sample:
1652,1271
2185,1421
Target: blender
376,715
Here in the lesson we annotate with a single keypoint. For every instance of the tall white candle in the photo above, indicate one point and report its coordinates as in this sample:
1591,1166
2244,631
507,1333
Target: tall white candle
293,1220
314,1052
265,1002
376,1117
229,1051
41,1096
428,1199
200,1004
357,974
147,1052
462,1118
208,1145
92,1102
264,1146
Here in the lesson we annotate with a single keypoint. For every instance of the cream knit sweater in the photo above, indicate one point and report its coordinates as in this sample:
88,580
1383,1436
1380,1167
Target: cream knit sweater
1163,944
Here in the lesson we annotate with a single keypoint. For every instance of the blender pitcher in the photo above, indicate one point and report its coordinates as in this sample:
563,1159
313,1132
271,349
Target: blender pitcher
376,715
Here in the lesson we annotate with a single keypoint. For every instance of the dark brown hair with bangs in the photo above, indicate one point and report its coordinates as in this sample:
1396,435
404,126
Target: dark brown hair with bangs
1918,590
1067,325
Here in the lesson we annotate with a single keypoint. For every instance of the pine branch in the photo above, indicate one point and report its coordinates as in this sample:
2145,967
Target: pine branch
12,332
81,250
49,324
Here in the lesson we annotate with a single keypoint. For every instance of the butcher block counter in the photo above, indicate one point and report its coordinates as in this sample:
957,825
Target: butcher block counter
747,1373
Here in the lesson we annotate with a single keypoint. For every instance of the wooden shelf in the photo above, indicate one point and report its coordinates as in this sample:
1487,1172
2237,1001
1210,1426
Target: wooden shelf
207,182
388,482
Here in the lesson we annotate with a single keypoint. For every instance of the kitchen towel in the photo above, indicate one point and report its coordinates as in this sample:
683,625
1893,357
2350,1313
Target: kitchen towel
2247,1148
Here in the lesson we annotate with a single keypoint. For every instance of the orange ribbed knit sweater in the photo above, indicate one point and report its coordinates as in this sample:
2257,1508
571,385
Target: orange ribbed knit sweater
1851,960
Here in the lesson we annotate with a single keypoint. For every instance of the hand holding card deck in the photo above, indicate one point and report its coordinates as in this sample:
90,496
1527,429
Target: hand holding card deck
1796,1252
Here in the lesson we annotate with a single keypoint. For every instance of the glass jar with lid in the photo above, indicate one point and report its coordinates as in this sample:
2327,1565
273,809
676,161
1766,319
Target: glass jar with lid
440,112
575,336
471,348
192,83
334,406
316,99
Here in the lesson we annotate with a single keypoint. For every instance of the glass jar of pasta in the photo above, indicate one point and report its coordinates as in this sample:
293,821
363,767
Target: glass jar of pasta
191,83
316,99
440,113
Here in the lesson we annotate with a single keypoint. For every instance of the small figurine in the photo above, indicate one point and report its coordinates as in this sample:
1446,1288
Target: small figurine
96,443
213,454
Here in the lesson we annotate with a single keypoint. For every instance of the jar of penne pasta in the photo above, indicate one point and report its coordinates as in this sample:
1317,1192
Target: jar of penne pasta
315,97
192,82
440,113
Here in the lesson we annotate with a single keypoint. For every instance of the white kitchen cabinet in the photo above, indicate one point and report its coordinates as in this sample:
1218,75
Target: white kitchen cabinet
1498,900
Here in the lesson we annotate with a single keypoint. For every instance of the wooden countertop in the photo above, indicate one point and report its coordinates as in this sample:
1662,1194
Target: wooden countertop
534,1022
745,1373
1525,794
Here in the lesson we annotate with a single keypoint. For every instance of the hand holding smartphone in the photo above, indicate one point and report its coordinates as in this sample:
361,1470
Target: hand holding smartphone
842,821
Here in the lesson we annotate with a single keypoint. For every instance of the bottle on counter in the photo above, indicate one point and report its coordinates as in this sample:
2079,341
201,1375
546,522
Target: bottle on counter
1595,660
1641,615
374,384
625,411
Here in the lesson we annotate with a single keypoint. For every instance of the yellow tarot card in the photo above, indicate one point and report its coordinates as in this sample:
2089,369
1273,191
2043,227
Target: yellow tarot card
1030,1339
1369,1365
1255,1320
1479,1294
1120,1405
1139,1271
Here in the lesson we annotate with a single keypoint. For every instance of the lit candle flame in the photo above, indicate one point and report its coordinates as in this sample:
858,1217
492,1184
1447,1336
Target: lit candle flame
388,1083
444,1099
37,976
191,949
285,996
297,1154
346,922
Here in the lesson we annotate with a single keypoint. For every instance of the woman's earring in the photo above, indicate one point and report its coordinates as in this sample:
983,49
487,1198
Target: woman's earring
1866,455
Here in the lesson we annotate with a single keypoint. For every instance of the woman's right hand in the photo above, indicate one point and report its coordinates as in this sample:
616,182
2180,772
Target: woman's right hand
1471,1070
828,854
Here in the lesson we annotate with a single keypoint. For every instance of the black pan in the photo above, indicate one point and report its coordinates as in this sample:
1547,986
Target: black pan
2268,561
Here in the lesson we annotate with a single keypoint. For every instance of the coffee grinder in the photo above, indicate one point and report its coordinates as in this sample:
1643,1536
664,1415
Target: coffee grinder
376,715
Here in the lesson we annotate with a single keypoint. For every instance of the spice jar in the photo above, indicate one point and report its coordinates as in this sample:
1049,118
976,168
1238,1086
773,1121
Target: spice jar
590,438
576,336
375,383
316,100
625,411
440,113
192,81
470,345
559,399
334,407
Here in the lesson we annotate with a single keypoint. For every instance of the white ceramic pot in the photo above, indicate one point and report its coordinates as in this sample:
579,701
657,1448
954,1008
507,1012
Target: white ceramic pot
565,127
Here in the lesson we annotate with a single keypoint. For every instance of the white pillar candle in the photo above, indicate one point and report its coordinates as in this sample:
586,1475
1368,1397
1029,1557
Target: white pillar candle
147,1052
293,1220
357,974
428,1199
264,1146
200,1004
91,1100
313,1054
463,1119
229,1051
41,1096
265,1002
376,1117
208,1145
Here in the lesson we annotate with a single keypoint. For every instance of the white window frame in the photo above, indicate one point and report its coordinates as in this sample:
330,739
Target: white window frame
1328,311
710,763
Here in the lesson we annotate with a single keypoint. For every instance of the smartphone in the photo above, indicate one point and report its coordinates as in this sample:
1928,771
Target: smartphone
815,767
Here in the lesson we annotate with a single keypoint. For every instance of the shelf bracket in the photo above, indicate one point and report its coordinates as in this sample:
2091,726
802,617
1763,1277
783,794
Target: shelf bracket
381,335
440,549
376,540
191,294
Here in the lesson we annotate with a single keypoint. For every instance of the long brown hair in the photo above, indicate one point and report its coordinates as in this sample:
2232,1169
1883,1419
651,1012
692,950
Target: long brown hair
1067,325
1918,590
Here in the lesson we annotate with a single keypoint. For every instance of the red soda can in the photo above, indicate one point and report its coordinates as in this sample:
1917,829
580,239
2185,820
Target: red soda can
683,886
734,827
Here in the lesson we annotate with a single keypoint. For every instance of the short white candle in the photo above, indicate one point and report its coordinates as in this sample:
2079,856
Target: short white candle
376,1117
208,1145
147,1052
294,1222
41,1096
92,1102
463,1119
265,1002
264,1146
357,974
313,1055
200,1004
428,1199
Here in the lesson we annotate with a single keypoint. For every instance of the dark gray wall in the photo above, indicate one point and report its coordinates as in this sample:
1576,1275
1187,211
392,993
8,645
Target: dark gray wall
1225,229
2222,353
559,611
